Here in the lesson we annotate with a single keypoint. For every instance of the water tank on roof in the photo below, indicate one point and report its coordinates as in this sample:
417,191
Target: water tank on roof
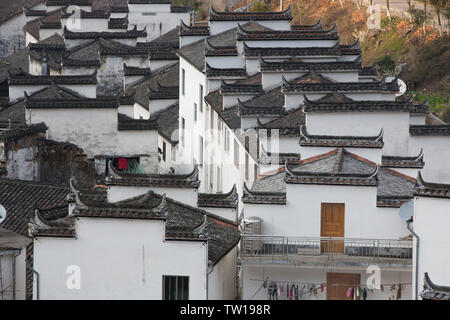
253,226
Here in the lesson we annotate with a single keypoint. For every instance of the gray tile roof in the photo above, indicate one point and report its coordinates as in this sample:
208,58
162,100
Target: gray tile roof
12,8
21,198
168,122
341,167
14,114
182,222
271,183
13,63
288,124
166,76
219,200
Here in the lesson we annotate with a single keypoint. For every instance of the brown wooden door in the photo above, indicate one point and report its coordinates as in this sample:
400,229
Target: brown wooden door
332,225
338,284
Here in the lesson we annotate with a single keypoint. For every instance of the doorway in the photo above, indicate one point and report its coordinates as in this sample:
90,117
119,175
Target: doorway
339,283
332,224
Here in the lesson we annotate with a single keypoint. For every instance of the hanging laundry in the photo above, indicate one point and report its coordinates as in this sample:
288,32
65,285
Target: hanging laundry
399,292
122,164
364,295
349,292
322,285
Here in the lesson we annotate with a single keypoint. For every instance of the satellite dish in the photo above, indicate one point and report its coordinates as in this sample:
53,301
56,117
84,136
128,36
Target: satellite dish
406,210
2,213
401,86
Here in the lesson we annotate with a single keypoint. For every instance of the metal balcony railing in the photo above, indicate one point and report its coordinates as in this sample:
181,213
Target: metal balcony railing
324,249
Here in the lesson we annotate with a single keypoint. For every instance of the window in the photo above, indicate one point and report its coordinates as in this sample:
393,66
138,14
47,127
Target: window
175,288
183,81
219,179
236,153
173,154
227,141
200,151
256,172
164,151
211,175
211,122
183,127
246,166
200,98
195,112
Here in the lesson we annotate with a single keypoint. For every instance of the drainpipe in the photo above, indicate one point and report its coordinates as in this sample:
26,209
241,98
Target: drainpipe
416,272
15,275
37,279
208,272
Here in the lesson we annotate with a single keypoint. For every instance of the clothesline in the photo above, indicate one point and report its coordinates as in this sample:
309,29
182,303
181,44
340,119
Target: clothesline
319,283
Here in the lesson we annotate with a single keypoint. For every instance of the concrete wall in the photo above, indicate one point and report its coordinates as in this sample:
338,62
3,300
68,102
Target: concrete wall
431,220
135,256
222,281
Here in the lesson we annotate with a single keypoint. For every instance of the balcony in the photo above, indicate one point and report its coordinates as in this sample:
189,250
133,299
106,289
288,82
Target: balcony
324,251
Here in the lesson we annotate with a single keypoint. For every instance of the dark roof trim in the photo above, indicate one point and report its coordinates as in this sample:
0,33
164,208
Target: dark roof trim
379,86
219,200
233,88
314,26
247,16
216,51
308,140
403,162
246,110
228,72
392,202
117,178
429,130
290,65
428,189
186,30
330,178
260,197
289,52
432,291
363,106
24,78
131,34
330,34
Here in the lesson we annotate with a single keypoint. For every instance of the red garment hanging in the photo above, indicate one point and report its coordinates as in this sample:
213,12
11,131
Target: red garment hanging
122,164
